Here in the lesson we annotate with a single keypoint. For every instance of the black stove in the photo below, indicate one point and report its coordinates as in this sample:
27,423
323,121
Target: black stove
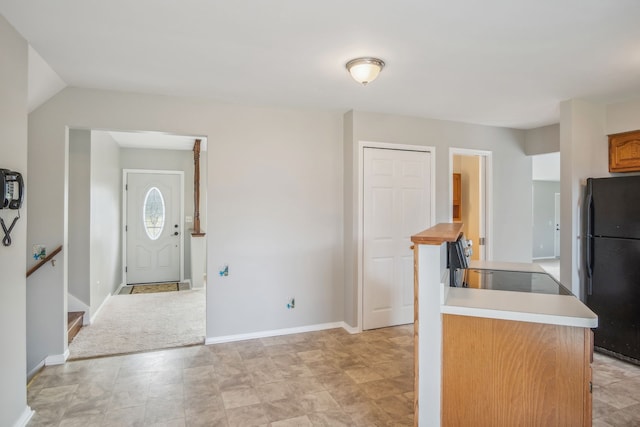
515,281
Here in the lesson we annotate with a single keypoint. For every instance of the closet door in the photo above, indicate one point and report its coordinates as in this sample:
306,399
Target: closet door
397,185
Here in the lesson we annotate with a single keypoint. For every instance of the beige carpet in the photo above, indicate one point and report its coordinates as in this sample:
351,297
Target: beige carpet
141,322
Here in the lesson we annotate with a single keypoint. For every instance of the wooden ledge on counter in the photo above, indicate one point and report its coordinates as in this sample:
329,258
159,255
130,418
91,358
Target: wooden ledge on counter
438,234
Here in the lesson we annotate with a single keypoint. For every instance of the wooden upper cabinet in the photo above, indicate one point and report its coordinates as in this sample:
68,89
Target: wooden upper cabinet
457,197
624,152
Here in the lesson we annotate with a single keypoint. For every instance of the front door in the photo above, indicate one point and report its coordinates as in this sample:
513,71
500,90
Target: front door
153,227
397,198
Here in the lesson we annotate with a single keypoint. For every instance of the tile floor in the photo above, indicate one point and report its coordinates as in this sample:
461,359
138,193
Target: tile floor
328,378
616,393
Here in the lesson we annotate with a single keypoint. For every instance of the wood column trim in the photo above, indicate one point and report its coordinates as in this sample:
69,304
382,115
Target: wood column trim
416,329
196,190
436,235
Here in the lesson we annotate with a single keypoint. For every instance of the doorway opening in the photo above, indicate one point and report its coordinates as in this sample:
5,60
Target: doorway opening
124,322
471,198
545,179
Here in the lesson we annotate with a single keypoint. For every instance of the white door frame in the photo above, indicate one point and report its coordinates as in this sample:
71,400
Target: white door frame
360,226
125,172
556,225
488,205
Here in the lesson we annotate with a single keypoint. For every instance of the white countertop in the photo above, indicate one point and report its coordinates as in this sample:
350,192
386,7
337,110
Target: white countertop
551,309
509,266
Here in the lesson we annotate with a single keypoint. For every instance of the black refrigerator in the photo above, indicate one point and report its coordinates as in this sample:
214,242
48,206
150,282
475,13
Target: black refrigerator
612,263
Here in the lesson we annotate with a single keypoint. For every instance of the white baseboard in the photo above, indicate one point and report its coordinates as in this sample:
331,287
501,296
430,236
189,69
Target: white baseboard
192,286
277,332
56,359
75,304
34,371
120,286
351,329
24,418
94,315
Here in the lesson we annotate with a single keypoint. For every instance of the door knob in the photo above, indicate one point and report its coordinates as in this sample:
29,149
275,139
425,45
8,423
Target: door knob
175,234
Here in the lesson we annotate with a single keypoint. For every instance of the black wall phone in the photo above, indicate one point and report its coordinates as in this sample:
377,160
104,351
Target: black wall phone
12,188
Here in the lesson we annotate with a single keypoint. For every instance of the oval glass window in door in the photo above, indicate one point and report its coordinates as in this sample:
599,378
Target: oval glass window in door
153,213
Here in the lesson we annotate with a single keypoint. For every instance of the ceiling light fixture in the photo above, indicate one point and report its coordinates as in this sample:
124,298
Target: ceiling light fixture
365,70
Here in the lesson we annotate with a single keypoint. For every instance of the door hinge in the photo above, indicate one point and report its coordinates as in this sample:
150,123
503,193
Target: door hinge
126,269
481,241
126,228
126,187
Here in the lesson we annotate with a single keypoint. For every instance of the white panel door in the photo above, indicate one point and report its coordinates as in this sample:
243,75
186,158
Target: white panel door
153,227
397,197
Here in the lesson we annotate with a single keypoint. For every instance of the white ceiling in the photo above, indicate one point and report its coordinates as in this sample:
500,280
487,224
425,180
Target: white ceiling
494,62
157,140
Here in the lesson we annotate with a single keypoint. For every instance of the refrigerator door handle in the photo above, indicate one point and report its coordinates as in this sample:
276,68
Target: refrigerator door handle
589,242
589,265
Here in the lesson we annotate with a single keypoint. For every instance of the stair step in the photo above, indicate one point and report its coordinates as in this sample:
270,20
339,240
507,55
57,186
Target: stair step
74,323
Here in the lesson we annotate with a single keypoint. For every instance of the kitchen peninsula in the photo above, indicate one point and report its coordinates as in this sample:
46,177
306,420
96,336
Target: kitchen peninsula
488,357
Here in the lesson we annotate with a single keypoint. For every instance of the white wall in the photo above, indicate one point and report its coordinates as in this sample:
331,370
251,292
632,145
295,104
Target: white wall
511,180
546,167
106,208
622,117
350,216
583,154
274,202
544,227
13,149
542,140
79,214
47,289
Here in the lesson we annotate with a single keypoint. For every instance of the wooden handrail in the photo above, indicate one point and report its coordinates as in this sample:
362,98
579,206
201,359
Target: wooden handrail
44,261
